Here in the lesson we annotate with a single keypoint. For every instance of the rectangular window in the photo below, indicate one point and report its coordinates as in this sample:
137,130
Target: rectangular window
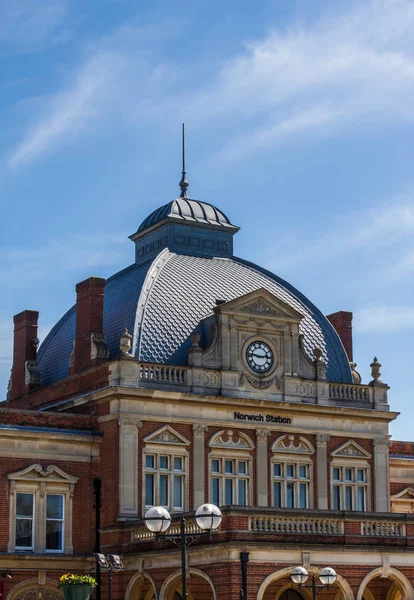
277,470
150,461
229,467
24,521
290,495
361,475
303,471
178,491
215,491
277,494
178,463
349,475
361,498
242,492
164,490
242,467
303,495
228,491
290,471
54,522
149,490
215,466
336,474
348,498
164,463
336,497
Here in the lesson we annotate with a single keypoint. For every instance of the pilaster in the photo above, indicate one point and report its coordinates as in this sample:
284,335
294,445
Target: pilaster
382,475
128,467
198,462
321,471
262,470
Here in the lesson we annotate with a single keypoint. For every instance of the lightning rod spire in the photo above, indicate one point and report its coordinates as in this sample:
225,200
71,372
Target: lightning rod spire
184,183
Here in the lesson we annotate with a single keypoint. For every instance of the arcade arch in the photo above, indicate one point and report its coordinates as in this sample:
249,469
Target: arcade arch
199,586
31,589
394,587
141,587
275,584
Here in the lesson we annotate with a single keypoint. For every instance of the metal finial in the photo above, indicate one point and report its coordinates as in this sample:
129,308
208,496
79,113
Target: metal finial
184,183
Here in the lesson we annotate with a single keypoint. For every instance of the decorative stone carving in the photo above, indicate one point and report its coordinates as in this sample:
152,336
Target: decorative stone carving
375,370
356,377
286,443
385,443
218,441
31,373
262,435
166,435
125,344
351,449
211,379
199,430
261,384
261,307
36,472
307,388
322,439
98,347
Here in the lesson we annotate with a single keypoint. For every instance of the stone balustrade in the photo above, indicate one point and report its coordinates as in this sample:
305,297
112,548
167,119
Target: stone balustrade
383,528
351,393
299,525
153,373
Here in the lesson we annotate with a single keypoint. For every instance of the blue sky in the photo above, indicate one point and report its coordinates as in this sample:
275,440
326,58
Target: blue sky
300,121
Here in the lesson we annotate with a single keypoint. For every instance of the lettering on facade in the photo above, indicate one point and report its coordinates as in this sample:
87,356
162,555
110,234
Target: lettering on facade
262,418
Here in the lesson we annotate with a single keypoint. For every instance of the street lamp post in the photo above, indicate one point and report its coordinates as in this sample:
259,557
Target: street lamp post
327,577
158,519
114,564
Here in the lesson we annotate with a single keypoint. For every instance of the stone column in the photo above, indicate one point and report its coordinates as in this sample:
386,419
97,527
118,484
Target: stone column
321,471
128,467
262,467
199,468
381,475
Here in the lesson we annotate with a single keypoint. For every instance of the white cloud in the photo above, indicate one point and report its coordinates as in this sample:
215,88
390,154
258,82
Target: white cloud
349,69
382,319
351,232
69,253
27,25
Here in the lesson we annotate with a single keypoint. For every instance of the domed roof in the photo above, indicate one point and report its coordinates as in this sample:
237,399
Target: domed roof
163,300
186,209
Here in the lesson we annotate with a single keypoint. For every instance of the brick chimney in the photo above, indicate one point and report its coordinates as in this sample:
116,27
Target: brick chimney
24,376
342,322
90,348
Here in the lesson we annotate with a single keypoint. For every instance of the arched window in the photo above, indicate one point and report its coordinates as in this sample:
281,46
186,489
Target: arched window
291,477
230,468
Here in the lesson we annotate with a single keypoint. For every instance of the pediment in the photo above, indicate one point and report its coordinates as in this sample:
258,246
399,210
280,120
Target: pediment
261,303
224,439
37,472
350,450
291,444
407,494
166,435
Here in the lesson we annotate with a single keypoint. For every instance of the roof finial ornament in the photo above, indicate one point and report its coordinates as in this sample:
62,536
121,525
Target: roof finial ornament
184,183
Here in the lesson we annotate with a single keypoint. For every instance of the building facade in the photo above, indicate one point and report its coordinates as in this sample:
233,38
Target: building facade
194,376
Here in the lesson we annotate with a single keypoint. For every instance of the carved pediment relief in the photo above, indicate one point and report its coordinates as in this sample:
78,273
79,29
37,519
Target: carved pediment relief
262,303
293,444
224,439
350,450
407,494
166,435
37,472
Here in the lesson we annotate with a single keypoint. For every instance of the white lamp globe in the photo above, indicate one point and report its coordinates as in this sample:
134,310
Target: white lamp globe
327,576
299,575
208,516
157,519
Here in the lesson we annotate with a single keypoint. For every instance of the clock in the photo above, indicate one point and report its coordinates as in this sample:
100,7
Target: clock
259,357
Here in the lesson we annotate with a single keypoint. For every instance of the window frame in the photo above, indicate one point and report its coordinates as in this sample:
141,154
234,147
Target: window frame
238,456
355,464
298,459
172,451
62,520
40,483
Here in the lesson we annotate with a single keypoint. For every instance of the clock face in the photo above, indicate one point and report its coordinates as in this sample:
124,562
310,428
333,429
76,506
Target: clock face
259,357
